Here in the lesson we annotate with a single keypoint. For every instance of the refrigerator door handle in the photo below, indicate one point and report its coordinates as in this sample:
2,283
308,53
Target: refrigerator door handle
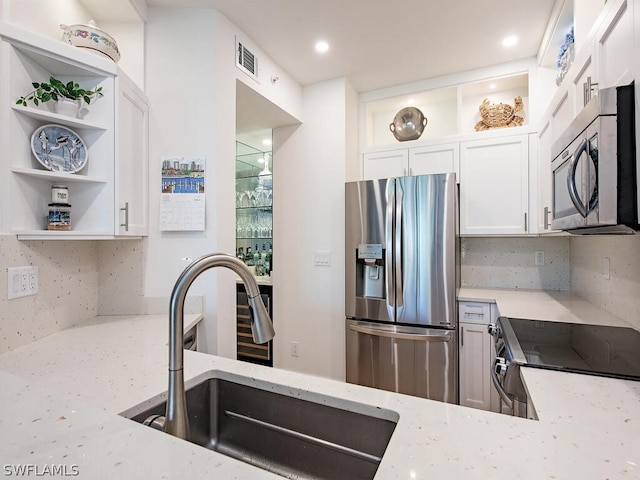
446,337
397,240
389,250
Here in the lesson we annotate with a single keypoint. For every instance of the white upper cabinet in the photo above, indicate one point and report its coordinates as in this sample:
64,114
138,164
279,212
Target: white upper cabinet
132,159
494,186
385,164
490,159
544,197
605,59
26,57
430,159
614,46
442,158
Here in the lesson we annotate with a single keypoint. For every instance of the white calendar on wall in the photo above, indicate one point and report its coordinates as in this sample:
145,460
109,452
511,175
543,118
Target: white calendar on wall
182,201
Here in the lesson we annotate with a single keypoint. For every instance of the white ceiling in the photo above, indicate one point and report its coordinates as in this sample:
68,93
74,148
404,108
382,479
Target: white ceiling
374,43
381,43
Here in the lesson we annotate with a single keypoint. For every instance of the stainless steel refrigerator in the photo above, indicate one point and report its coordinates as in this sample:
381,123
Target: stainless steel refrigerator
401,281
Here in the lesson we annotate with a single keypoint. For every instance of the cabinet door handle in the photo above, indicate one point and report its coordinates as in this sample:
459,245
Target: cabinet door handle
587,89
585,93
546,218
125,209
525,222
462,336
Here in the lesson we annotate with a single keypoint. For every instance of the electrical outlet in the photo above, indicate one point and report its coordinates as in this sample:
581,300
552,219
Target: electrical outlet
539,257
21,282
33,280
294,349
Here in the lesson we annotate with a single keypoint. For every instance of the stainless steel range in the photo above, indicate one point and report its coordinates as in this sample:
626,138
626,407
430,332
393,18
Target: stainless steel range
569,347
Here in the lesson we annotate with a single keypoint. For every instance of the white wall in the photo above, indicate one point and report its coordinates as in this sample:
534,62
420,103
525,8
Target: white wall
186,94
309,176
191,81
283,91
43,16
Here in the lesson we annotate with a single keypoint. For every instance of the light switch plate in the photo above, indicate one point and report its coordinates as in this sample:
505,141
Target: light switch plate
322,258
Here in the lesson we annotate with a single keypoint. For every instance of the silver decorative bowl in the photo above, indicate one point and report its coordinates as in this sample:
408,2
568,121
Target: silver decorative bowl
408,124
91,37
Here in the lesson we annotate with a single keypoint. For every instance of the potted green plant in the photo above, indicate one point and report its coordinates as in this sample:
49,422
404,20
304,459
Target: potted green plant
60,93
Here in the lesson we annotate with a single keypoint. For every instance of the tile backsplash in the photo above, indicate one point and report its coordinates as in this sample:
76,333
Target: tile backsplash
620,293
510,263
67,288
121,282
77,281
81,279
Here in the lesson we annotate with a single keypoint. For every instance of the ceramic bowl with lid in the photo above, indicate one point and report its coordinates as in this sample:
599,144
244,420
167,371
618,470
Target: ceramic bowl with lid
91,37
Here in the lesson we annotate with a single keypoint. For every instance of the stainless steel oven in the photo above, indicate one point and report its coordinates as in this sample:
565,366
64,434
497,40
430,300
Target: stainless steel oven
594,167
602,350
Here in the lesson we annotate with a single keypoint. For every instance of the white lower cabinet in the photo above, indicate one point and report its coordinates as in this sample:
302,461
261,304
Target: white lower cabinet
494,186
476,356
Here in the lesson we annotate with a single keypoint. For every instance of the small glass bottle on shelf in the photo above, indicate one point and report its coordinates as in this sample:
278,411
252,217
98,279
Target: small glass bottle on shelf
248,257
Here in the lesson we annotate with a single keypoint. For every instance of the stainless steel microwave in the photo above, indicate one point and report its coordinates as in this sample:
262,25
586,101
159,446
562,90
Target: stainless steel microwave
593,169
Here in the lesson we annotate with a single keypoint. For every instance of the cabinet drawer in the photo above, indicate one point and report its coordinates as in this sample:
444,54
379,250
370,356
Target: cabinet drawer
474,312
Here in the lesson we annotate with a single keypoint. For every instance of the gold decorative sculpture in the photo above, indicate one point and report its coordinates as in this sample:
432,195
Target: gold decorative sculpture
498,115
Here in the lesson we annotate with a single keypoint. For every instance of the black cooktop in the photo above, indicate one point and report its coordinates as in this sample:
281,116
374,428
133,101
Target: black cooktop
591,349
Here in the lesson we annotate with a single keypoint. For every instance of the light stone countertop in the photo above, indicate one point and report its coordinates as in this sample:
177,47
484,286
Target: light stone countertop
60,398
555,306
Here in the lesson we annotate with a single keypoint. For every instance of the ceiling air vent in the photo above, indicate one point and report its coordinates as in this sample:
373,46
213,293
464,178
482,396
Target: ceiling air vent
246,61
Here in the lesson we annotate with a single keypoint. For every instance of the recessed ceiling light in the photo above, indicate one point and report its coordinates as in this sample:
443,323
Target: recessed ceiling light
509,41
322,47
492,86
266,141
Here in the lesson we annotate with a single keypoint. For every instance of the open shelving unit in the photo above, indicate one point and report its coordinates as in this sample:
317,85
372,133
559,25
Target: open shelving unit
450,110
26,58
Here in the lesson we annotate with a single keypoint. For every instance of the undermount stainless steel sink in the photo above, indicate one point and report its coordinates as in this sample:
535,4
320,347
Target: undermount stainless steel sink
291,432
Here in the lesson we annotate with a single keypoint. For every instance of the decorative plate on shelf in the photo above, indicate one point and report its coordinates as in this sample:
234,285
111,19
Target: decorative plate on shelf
59,149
